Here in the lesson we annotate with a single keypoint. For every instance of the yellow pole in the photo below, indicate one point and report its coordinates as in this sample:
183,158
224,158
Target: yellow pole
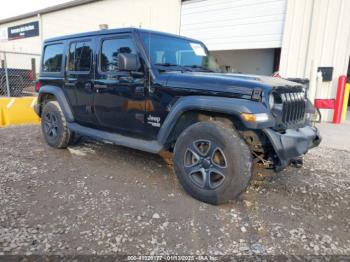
345,103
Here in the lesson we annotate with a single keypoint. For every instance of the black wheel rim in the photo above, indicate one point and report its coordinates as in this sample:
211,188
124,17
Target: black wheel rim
50,125
205,163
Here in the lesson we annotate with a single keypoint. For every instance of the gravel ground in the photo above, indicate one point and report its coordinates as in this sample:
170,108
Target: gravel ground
102,199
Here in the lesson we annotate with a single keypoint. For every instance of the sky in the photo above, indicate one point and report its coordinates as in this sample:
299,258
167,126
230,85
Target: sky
17,7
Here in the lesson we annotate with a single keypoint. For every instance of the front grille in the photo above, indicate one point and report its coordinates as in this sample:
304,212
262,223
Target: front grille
293,106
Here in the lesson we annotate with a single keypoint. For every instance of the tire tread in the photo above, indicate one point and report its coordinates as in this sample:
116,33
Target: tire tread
65,136
241,177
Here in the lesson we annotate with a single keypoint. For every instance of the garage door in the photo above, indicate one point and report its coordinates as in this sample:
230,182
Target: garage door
234,24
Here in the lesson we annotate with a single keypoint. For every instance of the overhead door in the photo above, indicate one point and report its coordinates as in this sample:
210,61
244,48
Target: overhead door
234,24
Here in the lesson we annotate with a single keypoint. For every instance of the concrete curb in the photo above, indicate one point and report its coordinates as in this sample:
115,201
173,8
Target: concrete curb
17,111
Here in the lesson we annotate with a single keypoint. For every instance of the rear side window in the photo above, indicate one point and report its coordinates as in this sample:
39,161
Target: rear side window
52,60
110,50
80,56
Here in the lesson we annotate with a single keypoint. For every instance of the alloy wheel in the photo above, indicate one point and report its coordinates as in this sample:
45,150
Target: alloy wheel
51,125
205,163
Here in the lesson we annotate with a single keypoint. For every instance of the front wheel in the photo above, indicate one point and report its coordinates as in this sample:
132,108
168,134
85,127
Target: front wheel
212,162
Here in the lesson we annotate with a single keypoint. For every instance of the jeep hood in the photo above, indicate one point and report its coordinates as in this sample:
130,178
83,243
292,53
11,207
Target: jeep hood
227,84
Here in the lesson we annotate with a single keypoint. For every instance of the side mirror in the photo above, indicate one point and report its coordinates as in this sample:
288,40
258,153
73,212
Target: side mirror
128,62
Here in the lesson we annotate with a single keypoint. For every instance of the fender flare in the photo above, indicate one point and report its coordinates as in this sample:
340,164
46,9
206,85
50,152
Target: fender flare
60,97
225,105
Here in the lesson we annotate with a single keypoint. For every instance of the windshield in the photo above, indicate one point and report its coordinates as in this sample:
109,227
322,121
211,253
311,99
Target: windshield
168,51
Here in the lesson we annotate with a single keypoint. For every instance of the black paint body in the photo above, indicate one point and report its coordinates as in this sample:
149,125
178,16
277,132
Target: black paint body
146,104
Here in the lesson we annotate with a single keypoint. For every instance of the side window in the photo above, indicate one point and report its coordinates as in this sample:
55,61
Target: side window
110,50
80,56
52,60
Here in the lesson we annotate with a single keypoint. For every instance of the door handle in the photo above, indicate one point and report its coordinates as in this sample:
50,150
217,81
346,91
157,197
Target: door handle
67,84
88,86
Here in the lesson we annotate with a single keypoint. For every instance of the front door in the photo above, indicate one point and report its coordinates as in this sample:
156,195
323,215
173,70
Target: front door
79,80
119,101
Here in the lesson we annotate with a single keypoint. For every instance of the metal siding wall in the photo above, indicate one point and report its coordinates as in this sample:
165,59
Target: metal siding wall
317,33
234,24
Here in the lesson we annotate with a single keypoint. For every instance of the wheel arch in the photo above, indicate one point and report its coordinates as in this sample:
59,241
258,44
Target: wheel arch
191,117
188,110
49,92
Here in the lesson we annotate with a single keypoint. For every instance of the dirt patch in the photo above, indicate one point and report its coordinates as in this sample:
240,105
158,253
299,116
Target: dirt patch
102,199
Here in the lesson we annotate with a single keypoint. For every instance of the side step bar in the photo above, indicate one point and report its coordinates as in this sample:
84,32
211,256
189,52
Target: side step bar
152,146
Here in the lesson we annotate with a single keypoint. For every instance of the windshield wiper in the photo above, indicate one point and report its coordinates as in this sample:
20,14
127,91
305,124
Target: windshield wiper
182,68
166,64
202,68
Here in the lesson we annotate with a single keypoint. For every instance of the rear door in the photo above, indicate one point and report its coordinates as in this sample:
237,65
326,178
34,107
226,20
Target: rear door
79,79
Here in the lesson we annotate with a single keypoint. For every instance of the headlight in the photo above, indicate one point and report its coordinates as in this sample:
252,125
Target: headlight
271,100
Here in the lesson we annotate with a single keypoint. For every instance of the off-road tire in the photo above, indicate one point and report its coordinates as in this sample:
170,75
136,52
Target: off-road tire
52,117
236,173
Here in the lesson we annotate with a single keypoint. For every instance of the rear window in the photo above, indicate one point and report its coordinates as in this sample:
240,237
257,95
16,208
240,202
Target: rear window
80,56
52,61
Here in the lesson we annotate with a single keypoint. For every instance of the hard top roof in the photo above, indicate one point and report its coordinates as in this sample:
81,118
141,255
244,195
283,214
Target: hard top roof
113,31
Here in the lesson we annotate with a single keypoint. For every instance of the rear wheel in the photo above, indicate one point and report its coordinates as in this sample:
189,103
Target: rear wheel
54,126
212,162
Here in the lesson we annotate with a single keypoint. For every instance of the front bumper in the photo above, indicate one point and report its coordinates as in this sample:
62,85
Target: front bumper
292,143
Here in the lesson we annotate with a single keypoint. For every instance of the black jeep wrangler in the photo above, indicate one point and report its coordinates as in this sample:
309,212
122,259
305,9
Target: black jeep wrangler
156,92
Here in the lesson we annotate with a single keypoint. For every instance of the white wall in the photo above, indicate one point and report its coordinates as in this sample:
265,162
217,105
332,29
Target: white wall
317,33
151,14
235,24
254,61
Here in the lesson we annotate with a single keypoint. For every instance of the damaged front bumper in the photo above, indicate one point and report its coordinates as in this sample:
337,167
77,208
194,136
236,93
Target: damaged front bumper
292,143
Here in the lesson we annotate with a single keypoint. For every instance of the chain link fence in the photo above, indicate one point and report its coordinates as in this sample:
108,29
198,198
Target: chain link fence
18,72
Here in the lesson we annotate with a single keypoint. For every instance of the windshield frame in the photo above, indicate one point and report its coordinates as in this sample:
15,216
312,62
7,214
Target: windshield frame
157,67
